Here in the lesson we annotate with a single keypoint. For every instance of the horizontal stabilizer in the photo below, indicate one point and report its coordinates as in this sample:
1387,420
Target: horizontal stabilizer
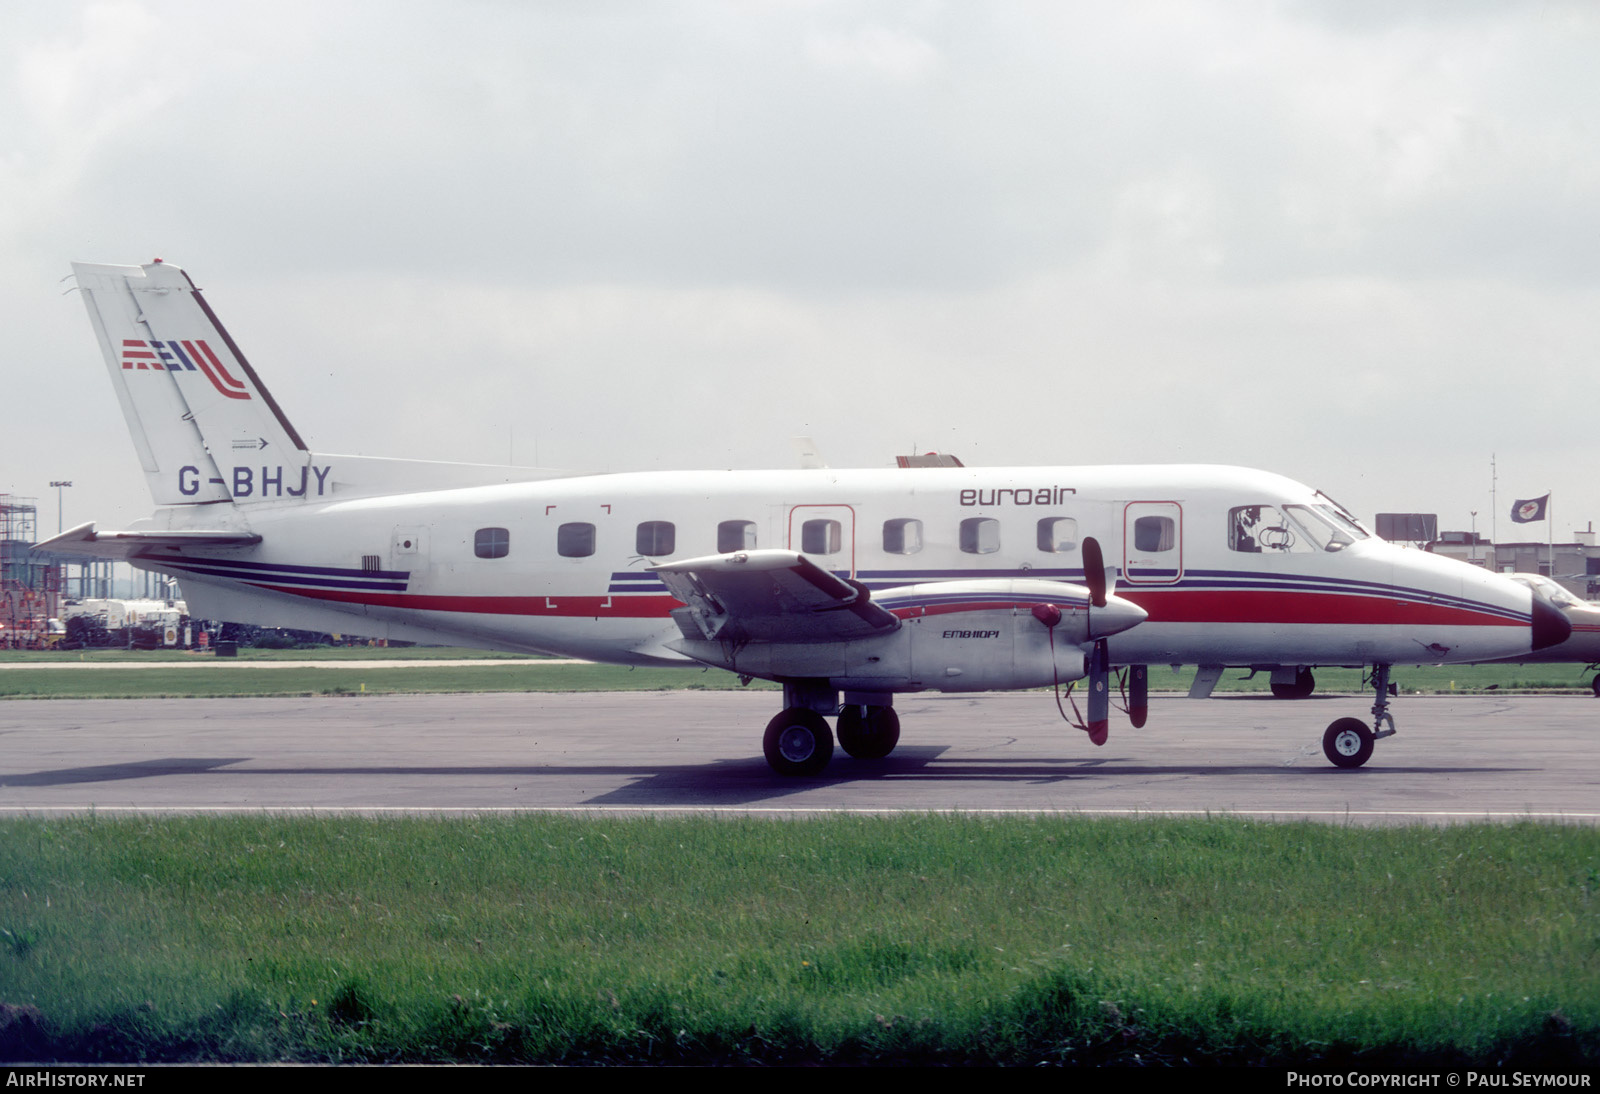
84,540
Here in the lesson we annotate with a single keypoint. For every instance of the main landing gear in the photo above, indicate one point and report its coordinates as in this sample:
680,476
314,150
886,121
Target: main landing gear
1348,742
799,742
1299,685
868,732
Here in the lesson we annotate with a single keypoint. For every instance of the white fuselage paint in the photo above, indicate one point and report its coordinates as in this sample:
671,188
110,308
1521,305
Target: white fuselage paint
406,565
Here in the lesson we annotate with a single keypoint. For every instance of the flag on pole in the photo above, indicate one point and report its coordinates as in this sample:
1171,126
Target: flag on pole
1526,512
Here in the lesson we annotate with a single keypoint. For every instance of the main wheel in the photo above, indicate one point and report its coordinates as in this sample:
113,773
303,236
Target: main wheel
798,742
1348,743
1304,684
871,735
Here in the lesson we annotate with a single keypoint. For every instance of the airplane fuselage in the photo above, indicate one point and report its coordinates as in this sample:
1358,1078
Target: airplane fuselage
561,566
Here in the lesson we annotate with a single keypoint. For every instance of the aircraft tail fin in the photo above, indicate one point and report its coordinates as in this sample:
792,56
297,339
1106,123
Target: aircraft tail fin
198,413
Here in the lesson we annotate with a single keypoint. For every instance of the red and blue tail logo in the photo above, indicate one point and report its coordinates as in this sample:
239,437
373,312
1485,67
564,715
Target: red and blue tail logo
192,356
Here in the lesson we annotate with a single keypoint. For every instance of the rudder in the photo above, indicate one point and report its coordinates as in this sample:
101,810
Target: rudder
194,406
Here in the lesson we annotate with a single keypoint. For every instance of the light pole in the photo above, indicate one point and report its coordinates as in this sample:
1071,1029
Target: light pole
58,484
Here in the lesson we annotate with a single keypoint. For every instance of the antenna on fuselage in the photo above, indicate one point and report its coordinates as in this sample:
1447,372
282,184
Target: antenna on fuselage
806,449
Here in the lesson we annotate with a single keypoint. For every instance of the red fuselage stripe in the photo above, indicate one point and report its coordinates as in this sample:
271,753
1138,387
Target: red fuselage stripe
1167,606
1248,606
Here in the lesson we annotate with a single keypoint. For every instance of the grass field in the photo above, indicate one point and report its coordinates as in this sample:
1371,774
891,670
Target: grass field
310,653
214,680
912,939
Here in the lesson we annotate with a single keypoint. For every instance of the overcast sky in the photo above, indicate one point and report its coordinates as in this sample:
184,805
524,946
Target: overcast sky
1356,243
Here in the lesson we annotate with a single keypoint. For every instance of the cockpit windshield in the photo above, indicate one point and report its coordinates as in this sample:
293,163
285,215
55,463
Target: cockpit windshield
1341,513
1343,521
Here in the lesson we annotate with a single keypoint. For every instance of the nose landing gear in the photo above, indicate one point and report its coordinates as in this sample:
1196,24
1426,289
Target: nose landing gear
1348,742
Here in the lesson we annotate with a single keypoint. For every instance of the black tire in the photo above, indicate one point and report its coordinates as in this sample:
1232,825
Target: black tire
1304,684
798,742
1348,743
1594,686
869,736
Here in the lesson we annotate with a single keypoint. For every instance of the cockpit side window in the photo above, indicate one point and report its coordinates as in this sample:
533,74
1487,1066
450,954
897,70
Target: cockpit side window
1266,529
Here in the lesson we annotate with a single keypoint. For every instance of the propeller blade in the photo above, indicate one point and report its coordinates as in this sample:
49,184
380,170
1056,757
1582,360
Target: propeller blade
1094,571
1099,693
1138,694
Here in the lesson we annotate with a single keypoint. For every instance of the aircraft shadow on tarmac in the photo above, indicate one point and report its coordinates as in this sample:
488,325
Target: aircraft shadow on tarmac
102,773
745,782
724,782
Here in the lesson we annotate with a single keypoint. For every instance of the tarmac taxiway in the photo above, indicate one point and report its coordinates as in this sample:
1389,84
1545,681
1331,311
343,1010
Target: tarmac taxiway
1454,759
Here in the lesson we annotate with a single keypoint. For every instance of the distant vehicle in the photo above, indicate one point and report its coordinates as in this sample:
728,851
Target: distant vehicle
118,622
848,587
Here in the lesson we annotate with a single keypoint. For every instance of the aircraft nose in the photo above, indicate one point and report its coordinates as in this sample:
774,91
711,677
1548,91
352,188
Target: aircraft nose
1551,627
1115,617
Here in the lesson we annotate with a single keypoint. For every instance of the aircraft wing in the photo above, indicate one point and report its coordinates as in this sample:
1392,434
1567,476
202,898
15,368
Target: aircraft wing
85,540
770,596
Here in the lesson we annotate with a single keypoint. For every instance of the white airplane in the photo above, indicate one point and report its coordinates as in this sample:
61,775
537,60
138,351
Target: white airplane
847,587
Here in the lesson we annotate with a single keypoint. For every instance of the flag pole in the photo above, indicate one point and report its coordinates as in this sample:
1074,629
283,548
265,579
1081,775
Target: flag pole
1494,511
1549,533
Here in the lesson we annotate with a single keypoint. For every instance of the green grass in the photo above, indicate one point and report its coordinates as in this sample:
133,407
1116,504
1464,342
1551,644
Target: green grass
223,680
313,653
214,677
917,939
1415,679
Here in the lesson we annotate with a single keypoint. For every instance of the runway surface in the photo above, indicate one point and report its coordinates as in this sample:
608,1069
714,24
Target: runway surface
1454,758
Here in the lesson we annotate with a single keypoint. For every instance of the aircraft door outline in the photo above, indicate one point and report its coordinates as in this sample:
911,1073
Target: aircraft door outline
826,534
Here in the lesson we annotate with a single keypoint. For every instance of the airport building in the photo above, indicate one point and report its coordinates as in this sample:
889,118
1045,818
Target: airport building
1575,564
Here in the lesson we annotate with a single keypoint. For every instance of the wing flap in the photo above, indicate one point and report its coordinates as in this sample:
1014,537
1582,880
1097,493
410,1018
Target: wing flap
772,596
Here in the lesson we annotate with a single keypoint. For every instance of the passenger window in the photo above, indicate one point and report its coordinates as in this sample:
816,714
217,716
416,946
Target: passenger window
655,537
820,537
980,535
736,535
1154,534
575,540
1058,534
902,536
491,543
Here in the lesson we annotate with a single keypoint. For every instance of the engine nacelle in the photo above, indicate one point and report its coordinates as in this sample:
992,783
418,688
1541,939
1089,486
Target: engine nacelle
978,635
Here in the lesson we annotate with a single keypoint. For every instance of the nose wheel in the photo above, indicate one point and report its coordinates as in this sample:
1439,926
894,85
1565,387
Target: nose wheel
1348,742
